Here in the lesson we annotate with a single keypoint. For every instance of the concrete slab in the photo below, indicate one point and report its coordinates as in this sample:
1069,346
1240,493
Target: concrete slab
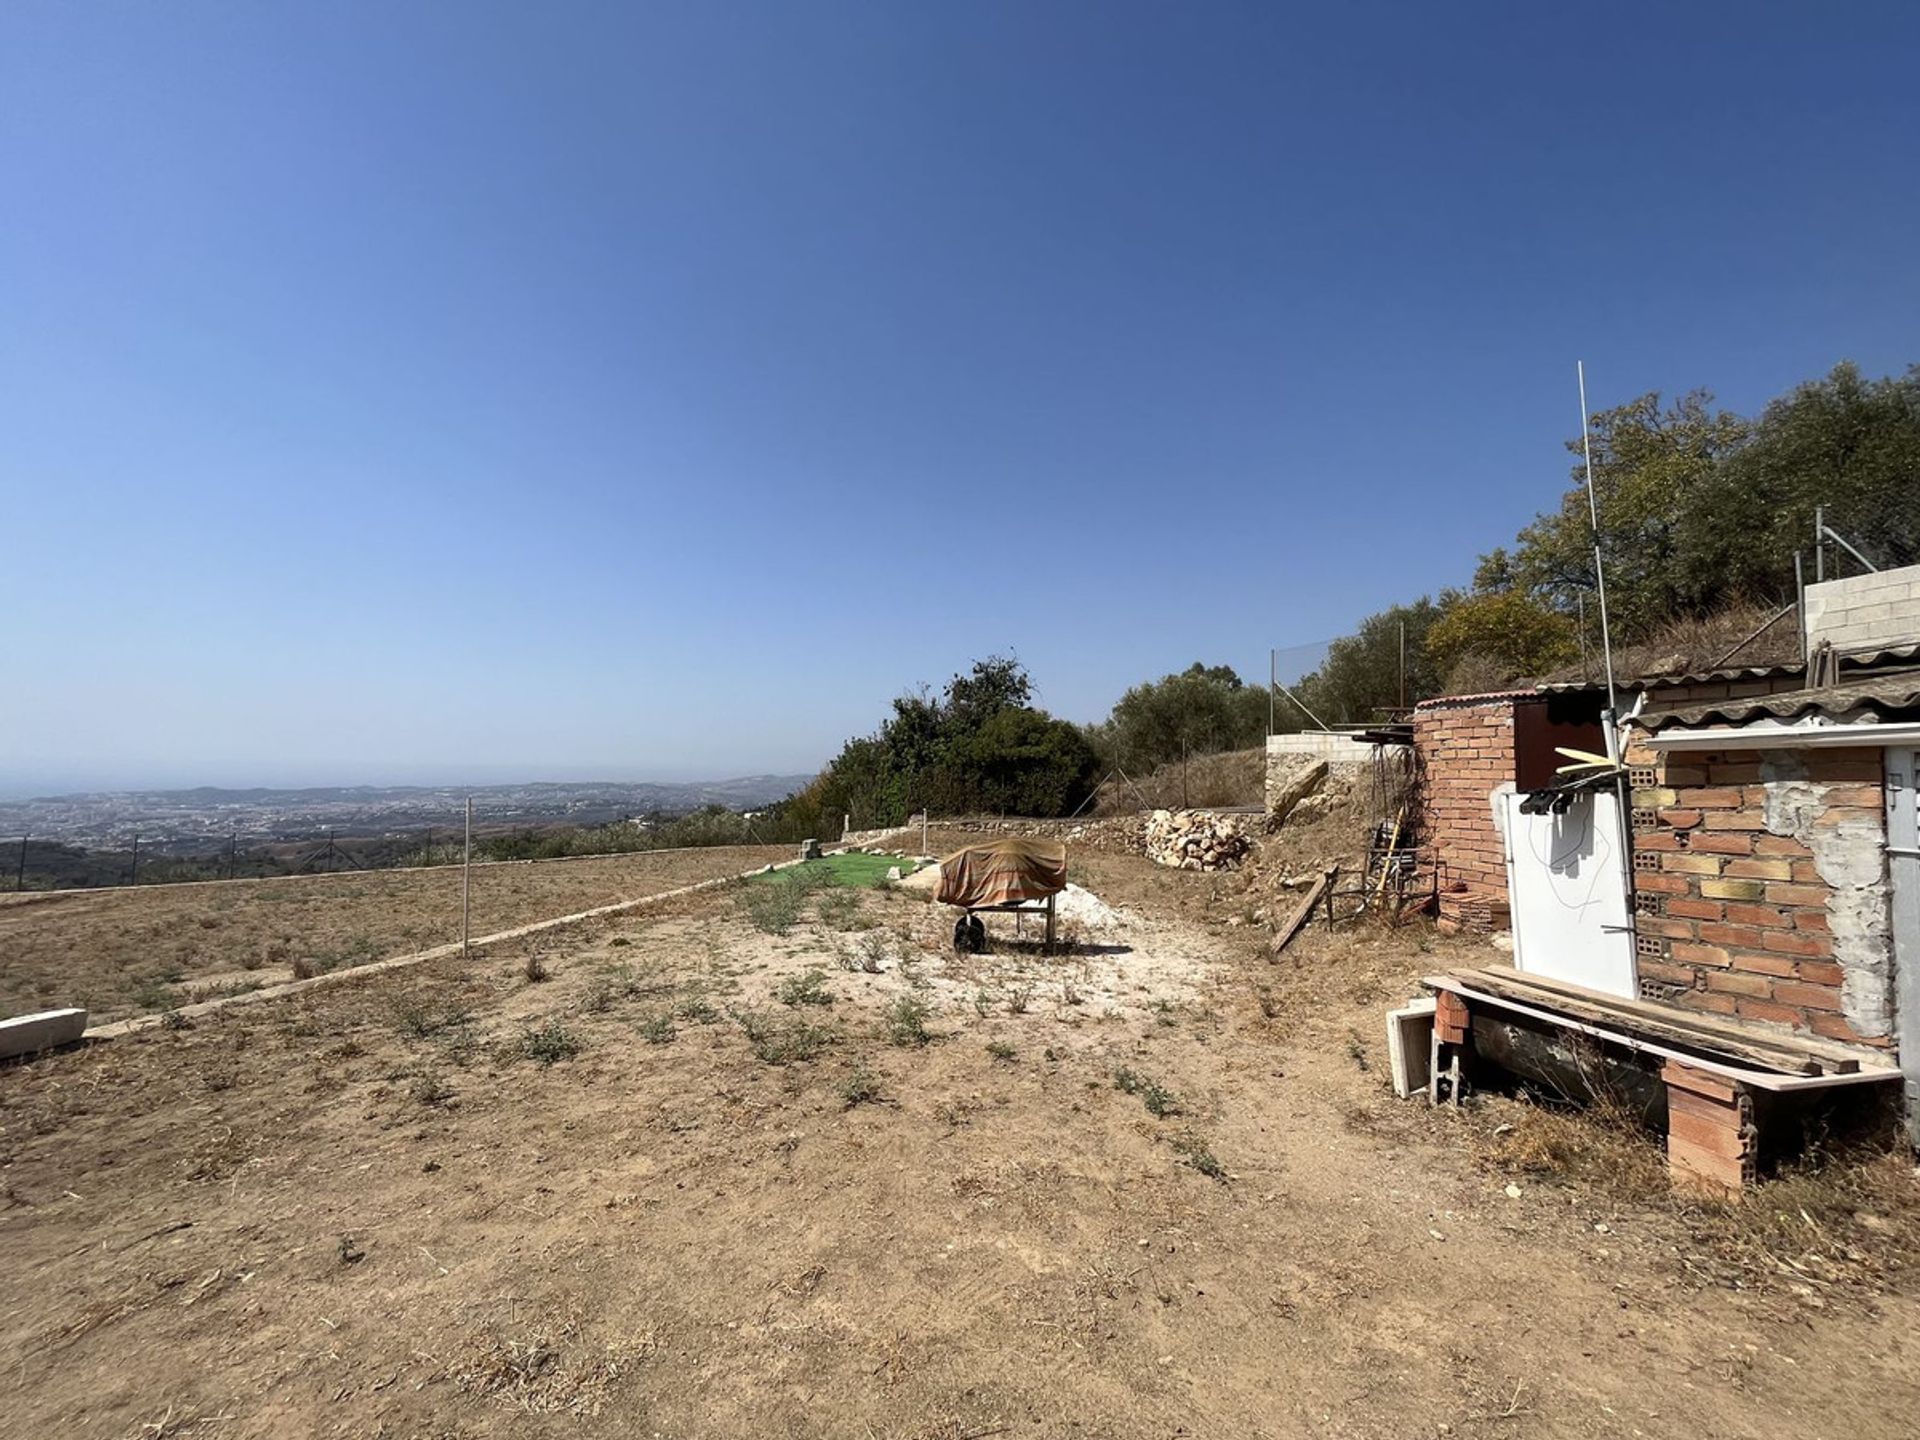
47,1030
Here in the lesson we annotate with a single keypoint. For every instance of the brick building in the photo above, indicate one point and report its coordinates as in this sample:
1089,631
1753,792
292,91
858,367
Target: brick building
1470,748
1771,873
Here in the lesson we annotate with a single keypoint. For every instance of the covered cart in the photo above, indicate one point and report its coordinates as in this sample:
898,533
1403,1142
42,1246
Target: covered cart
1017,875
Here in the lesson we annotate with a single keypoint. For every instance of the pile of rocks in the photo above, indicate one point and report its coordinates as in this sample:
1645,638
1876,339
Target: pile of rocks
1195,840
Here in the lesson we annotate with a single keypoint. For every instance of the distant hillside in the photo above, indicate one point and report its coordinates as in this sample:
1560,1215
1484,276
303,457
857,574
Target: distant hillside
211,818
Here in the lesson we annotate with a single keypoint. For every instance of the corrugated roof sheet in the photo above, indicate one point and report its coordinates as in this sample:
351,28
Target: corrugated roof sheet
1699,677
1856,660
1891,695
1481,697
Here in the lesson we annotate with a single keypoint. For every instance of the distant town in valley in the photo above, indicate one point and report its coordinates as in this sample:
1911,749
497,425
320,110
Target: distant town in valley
208,820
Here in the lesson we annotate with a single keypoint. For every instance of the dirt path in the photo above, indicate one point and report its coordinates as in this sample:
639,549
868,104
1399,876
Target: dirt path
374,1212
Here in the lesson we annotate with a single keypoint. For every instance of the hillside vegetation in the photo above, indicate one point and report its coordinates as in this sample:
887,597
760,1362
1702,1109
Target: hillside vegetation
1701,512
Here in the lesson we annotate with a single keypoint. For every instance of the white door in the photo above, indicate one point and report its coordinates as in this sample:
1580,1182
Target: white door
1567,885
1903,863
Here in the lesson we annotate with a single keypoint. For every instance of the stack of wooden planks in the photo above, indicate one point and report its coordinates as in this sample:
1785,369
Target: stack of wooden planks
1711,1036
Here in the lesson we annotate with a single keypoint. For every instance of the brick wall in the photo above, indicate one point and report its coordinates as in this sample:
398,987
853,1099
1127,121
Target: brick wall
1760,886
1464,747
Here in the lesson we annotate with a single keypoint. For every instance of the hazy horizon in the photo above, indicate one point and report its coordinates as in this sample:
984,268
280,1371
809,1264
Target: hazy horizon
14,787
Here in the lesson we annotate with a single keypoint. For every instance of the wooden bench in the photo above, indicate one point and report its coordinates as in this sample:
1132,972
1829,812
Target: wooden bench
1721,1077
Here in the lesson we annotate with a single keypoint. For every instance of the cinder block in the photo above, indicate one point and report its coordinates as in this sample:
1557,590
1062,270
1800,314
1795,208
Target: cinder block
47,1030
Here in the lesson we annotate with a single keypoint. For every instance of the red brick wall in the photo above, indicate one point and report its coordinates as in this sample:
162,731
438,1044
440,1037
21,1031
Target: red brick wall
1464,746
1736,917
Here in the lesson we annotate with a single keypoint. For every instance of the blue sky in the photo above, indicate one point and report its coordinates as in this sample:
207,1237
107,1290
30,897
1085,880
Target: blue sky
445,391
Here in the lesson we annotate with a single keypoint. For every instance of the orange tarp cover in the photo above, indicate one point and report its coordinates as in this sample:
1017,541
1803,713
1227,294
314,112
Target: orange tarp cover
1003,871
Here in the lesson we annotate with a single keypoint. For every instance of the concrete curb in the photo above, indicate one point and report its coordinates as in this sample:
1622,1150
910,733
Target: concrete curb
118,1028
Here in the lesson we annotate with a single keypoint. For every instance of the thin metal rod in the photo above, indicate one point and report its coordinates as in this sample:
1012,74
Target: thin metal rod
466,885
1599,568
1761,629
1842,542
1800,599
1819,543
1403,664
1273,679
1302,704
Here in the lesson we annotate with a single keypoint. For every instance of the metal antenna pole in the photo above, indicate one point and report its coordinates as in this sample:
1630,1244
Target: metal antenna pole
466,884
1599,568
1800,603
1273,679
1403,664
1819,543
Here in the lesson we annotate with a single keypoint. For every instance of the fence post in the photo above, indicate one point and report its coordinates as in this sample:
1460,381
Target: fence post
466,886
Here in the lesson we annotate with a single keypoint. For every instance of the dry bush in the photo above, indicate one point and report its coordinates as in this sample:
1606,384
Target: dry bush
1231,777
1839,1217
1691,643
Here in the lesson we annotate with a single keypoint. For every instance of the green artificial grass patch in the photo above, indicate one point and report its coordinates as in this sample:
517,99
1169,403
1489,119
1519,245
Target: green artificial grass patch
854,869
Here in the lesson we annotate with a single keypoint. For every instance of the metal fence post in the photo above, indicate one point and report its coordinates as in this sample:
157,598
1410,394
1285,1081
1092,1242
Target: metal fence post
466,886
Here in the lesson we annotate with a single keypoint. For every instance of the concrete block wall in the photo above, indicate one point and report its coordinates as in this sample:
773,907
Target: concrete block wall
1289,755
1866,611
1761,887
1330,746
1464,748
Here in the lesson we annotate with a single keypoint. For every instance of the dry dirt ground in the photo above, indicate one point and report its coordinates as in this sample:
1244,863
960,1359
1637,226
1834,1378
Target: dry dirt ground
137,951
1155,1188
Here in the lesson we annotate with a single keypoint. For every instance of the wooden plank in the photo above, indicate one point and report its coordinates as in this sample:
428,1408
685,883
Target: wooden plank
1748,1050
1779,1052
1283,937
1845,1059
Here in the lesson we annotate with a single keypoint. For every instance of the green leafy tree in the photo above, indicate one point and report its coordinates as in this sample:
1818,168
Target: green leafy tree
980,746
1652,465
1360,679
1497,636
1202,709
1701,509
1843,442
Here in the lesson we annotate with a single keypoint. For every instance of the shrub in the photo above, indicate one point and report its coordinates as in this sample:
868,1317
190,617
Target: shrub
153,993
551,1042
1194,1151
906,1021
859,1088
773,906
535,967
657,1028
1156,1097
429,1087
778,1044
1000,1050
809,987
840,907
697,1009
